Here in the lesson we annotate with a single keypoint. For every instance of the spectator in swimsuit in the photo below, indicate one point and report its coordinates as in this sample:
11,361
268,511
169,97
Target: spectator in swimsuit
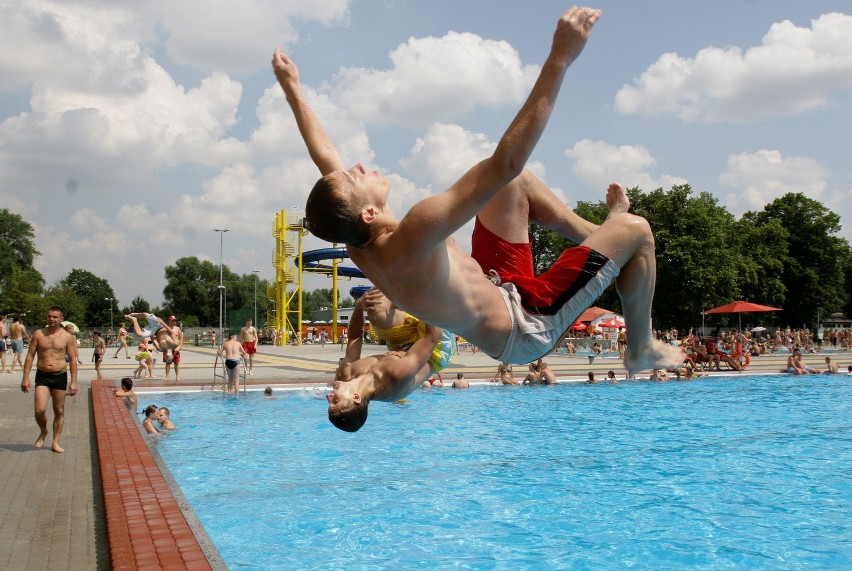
515,316
143,357
3,343
248,336
232,351
177,335
386,377
98,352
51,344
122,342
18,334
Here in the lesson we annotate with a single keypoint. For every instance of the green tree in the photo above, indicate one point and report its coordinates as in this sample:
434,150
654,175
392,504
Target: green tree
192,289
23,293
139,305
17,250
704,256
97,294
315,300
72,304
814,268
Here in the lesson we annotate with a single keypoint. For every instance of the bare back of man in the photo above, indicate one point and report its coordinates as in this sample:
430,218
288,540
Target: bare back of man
232,351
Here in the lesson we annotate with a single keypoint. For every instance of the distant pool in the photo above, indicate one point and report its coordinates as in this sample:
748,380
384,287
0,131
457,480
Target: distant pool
732,472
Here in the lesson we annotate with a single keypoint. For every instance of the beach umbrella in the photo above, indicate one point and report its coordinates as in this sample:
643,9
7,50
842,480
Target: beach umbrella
579,326
740,307
758,329
611,323
73,327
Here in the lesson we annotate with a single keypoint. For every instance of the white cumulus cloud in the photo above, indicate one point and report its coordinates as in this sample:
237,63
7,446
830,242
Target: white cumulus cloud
761,177
599,163
795,69
435,79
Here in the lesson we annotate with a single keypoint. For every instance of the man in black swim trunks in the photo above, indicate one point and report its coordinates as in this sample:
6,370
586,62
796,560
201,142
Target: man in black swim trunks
233,352
52,344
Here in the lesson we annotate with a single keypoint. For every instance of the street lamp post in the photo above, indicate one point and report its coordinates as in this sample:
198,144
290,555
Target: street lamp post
256,277
111,300
221,232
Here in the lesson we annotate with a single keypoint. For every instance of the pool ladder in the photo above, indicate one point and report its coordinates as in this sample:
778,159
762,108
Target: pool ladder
220,374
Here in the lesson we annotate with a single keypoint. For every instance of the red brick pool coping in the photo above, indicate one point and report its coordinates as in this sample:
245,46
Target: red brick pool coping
146,528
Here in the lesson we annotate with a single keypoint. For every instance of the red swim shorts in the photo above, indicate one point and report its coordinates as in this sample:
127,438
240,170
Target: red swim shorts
249,347
546,293
176,355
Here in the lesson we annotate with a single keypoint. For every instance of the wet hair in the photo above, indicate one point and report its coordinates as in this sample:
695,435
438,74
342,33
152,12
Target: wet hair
149,409
57,308
164,409
267,391
351,418
127,383
333,216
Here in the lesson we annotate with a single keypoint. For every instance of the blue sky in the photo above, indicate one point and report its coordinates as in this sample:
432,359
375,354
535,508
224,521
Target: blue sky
129,131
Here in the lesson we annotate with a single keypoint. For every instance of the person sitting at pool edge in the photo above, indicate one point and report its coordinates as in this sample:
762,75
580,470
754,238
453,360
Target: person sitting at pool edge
386,377
519,327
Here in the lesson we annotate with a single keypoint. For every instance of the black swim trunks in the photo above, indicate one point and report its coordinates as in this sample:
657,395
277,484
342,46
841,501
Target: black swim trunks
54,381
231,363
97,357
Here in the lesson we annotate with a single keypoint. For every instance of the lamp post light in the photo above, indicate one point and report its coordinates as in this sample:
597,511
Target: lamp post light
221,232
111,300
256,278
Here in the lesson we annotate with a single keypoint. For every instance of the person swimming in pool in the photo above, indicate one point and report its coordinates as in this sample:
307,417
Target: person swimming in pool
232,351
150,413
164,418
386,377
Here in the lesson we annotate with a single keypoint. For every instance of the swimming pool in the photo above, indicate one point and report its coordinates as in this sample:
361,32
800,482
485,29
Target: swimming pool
742,472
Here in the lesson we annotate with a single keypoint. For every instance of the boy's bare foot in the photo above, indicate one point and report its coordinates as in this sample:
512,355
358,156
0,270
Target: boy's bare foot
57,448
657,355
616,199
39,443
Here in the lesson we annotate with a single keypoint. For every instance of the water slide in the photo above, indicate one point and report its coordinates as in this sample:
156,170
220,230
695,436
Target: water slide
312,262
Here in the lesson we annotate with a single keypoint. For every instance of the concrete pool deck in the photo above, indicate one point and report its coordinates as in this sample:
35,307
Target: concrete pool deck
55,507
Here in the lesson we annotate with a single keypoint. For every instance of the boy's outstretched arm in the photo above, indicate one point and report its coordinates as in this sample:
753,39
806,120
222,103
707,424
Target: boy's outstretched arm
439,216
355,332
322,150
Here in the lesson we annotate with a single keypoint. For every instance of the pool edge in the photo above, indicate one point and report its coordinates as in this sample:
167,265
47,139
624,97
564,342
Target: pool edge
148,520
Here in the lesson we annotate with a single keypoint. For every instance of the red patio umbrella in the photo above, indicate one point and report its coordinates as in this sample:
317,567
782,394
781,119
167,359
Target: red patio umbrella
741,307
611,323
579,326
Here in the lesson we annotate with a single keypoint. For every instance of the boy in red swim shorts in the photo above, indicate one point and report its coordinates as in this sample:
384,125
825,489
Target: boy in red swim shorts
248,336
417,264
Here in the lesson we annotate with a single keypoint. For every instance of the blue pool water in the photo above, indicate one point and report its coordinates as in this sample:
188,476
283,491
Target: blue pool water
740,472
